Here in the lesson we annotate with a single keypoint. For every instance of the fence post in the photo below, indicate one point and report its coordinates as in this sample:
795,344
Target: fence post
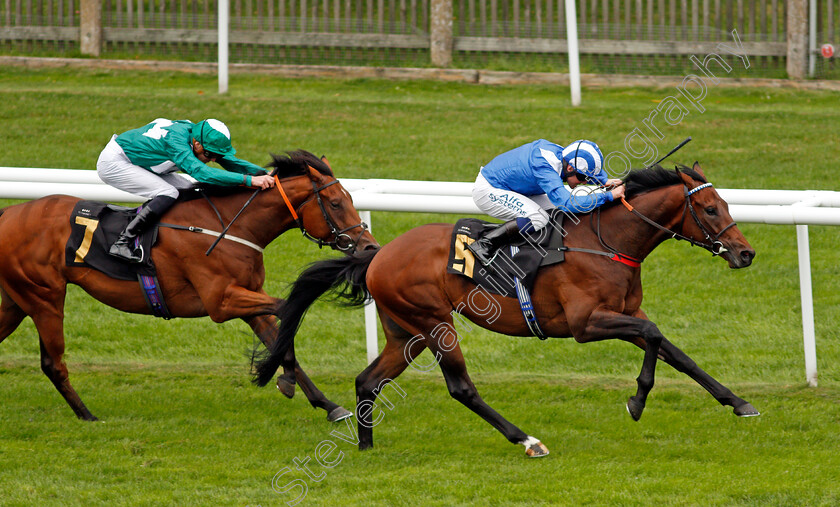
797,38
224,44
441,33
90,21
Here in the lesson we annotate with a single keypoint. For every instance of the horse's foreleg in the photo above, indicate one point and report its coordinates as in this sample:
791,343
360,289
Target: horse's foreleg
265,327
10,315
236,302
605,324
680,361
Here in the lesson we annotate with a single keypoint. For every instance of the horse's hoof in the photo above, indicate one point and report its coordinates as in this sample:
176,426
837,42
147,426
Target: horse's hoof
339,414
285,387
363,446
536,450
746,410
635,409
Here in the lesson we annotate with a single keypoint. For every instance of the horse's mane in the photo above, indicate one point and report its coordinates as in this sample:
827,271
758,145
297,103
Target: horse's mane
294,163
645,180
291,163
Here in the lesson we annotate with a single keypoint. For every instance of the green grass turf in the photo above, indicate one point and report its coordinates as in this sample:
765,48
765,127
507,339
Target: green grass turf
182,425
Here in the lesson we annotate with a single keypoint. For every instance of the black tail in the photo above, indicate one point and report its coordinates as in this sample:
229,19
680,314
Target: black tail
344,277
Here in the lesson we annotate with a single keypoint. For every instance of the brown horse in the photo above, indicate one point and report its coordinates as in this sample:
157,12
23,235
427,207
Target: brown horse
226,284
589,297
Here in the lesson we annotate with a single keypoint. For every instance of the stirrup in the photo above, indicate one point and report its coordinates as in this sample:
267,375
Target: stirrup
482,253
122,250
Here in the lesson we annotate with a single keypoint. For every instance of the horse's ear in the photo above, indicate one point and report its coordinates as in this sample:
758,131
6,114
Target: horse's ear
697,169
687,180
314,174
324,160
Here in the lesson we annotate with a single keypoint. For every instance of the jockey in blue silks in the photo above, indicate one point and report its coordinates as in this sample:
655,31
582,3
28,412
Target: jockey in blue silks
519,185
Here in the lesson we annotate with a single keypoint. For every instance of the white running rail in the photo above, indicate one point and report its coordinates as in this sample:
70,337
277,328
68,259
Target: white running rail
787,207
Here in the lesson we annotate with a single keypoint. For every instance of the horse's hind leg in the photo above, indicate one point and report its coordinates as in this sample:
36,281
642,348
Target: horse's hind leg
44,302
51,332
384,369
461,388
265,327
442,342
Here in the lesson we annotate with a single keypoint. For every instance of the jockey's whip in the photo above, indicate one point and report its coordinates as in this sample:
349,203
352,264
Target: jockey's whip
672,151
222,235
624,201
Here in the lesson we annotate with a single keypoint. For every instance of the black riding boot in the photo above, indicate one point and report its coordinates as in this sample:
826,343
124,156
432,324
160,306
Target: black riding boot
484,247
123,247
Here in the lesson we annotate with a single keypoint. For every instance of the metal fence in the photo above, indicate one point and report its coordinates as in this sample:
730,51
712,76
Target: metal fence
627,36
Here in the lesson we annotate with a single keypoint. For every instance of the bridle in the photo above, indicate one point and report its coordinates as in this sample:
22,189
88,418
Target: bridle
342,241
713,244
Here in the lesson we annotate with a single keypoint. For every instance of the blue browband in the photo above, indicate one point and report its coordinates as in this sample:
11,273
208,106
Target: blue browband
701,187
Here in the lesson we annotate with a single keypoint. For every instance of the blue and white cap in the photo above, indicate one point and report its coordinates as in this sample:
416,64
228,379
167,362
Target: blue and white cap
587,159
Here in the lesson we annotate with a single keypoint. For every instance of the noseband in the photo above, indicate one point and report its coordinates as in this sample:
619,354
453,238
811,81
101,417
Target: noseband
342,241
713,244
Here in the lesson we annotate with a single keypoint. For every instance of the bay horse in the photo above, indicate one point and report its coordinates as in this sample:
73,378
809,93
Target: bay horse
224,285
589,297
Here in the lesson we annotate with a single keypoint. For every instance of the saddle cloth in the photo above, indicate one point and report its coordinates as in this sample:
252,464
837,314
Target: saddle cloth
542,248
94,227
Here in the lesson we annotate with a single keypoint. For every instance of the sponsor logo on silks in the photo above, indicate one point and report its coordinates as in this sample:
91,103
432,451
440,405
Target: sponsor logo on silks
509,201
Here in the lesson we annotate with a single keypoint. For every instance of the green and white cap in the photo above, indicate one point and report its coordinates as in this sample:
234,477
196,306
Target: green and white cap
214,136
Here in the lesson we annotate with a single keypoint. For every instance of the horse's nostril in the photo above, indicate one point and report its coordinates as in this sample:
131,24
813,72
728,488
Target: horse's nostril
747,255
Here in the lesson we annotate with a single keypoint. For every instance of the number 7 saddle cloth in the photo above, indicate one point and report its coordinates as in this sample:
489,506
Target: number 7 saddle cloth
94,227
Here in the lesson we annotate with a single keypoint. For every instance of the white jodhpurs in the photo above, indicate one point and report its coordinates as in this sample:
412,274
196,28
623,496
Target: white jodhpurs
509,205
115,169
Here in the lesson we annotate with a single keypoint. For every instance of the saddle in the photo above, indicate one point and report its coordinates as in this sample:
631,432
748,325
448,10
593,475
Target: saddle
94,227
520,260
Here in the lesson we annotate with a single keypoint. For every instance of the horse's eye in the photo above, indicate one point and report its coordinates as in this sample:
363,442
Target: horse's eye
335,204
711,211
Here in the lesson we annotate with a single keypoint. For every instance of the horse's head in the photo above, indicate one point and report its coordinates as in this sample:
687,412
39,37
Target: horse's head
328,216
710,224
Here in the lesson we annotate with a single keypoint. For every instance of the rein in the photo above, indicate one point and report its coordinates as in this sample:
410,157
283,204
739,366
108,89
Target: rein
342,241
224,232
714,245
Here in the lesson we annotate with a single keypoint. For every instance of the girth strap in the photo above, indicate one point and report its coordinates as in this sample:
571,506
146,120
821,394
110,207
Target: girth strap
154,296
525,303
617,256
